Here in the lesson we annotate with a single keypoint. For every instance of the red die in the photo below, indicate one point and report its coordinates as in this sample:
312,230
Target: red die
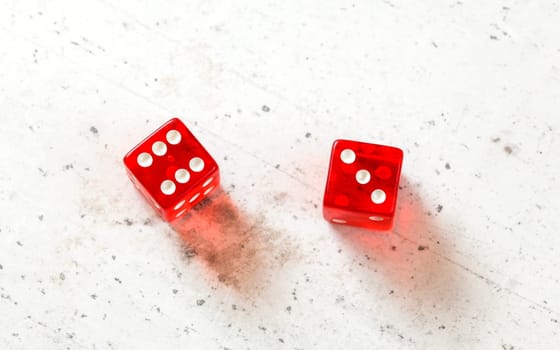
172,169
362,184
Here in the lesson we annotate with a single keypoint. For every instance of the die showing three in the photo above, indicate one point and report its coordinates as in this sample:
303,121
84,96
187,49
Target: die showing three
175,172
362,184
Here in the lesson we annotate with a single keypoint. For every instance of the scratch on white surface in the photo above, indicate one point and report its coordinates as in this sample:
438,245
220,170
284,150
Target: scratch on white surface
489,281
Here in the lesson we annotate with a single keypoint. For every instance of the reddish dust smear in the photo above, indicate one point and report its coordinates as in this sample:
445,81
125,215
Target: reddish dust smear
237,247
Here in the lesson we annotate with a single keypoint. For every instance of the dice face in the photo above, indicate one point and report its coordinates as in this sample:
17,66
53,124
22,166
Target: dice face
362,184
172,170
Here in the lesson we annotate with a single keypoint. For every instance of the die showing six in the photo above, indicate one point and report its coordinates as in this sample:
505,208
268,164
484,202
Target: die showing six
175,172
172,170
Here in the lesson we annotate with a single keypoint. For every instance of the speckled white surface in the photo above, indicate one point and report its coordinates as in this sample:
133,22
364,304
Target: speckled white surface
469,90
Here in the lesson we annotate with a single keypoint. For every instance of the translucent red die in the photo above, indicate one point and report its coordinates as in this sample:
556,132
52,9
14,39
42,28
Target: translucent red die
362,184
172,169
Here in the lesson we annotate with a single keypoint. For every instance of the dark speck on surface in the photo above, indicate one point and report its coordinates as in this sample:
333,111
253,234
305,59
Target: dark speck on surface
496,139
62,276
393,248
202,204
128,222
19,243
200,302
277,166
118,279
175,291
1,267
281,340
113,257
40,217
493,37
508,149
307,134
439,208
265,108
94,130
190,252
422,247
447,166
